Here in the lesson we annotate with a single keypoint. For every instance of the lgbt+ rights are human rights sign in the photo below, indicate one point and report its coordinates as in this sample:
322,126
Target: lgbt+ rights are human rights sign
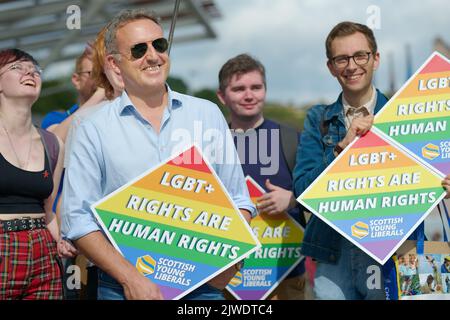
177,224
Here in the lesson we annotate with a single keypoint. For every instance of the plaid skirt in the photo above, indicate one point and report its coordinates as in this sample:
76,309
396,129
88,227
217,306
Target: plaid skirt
29,266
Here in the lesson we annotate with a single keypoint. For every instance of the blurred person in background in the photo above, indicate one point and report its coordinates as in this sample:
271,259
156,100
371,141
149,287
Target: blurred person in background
110,83
85,86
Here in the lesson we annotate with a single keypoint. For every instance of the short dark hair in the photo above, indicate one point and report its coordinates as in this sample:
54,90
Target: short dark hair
240,64
13,55
348,28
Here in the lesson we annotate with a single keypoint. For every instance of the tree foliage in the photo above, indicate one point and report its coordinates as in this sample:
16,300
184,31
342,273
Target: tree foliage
63,97
60,95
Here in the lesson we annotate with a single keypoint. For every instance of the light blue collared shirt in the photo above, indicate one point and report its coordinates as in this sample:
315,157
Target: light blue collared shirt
116,144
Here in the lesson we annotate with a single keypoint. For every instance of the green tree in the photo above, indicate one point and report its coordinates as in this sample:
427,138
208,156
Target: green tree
60,95
210,94
55,95
289,115
177,84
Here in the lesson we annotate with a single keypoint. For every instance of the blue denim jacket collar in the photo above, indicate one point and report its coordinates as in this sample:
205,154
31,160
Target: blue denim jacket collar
335,110
381,101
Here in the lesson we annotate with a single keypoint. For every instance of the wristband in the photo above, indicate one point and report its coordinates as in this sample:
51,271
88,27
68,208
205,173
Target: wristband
338,149
238,266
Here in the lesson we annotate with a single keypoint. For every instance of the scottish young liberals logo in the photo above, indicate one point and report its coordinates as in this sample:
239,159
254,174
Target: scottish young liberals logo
146,265
237,279
430,151
360,230
439,152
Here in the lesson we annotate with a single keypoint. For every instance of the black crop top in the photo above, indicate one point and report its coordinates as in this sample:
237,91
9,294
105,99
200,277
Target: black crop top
23,191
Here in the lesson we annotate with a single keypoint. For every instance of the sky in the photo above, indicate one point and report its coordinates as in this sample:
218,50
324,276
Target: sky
288,37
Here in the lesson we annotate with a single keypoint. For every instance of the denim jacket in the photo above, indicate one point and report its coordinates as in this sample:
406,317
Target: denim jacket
314,154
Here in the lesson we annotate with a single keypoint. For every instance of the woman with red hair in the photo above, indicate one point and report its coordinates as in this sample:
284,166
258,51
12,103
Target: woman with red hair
30,169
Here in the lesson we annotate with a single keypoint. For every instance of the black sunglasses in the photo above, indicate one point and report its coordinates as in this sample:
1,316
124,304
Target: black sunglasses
140,49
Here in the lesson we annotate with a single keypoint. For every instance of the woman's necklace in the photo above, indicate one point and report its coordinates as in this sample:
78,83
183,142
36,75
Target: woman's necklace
14,150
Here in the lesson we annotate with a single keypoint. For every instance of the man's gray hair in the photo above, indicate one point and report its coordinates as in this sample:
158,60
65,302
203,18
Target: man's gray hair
121,19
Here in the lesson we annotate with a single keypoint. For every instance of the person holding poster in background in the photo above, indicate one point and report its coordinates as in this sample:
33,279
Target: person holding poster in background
242,89
129,136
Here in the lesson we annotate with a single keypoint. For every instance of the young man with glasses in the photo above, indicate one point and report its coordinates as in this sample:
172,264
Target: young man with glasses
342,268
147,124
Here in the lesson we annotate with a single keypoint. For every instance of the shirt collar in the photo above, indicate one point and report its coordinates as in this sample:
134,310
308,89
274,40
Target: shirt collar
370,105
175,101
335,110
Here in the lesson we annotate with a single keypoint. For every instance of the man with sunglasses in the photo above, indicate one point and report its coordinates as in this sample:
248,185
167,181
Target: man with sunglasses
342,268
146,125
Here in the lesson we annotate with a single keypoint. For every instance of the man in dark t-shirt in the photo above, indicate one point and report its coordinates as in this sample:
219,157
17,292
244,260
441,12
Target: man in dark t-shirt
242,89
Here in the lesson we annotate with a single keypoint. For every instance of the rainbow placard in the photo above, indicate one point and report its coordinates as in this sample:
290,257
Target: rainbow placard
281,237
177,224
418,116
374,194
383,185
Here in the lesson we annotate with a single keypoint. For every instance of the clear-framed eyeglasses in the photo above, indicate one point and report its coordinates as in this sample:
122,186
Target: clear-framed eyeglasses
24,69
361,58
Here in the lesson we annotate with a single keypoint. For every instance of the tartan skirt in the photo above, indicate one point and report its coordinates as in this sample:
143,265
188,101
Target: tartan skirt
29,266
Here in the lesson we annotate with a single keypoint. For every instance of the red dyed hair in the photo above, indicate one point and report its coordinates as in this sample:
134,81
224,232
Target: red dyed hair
13,55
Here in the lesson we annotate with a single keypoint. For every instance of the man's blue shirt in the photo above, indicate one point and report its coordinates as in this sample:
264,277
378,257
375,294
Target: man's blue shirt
116,144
